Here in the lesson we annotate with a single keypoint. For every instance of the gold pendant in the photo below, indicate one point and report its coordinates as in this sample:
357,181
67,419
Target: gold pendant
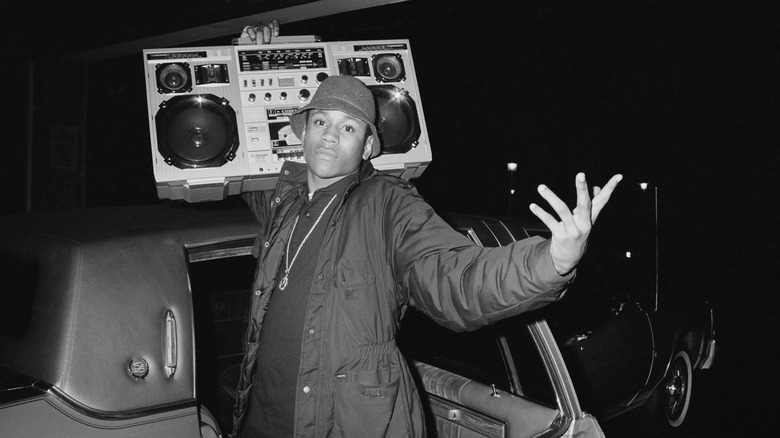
283,283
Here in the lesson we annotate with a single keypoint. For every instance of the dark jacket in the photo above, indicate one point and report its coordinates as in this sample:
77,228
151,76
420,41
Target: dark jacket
384,249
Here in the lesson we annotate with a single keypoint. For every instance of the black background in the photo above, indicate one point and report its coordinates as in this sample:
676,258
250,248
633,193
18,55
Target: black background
681,94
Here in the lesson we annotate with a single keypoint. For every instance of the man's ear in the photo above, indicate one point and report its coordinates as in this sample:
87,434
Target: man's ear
368,148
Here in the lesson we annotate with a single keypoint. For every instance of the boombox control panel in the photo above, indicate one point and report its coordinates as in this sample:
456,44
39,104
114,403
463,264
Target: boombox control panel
219,117
274,82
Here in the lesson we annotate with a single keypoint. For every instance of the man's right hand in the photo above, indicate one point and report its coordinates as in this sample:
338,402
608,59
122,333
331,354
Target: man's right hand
262,33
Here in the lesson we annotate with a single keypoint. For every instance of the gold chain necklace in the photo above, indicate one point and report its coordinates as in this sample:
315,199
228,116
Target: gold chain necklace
287,263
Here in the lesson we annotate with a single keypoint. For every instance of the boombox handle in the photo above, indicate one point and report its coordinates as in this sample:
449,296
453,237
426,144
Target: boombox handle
280,40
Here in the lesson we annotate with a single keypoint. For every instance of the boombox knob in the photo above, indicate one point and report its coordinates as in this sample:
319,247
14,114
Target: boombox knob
304,95
304,79
321,76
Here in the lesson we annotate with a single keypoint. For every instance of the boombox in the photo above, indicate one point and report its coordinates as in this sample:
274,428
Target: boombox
219,117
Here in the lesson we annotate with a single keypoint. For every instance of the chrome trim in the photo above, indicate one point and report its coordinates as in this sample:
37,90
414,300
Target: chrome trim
170,344
708,362
568,402
218,253
509,364
63,398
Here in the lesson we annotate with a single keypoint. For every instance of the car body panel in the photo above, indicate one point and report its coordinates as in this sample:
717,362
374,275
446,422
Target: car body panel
48,416
601,348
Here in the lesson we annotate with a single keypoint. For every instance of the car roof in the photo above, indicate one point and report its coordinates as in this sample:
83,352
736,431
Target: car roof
106,223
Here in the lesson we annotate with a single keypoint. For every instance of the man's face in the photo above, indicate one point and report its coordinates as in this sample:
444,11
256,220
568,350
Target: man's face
334,144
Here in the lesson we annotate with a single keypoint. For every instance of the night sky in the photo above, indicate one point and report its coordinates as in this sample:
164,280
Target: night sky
682,94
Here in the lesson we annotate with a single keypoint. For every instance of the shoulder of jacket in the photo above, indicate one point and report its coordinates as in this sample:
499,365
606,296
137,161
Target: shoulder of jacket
380,179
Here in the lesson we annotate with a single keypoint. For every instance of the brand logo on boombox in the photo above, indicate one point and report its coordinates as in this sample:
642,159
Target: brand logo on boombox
219,117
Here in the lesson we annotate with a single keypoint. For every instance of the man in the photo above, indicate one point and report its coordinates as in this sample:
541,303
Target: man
343,250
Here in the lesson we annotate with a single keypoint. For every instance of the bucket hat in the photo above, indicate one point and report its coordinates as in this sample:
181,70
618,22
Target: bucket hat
341,93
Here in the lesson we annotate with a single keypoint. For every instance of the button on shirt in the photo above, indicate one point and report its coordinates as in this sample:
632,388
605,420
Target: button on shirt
276,386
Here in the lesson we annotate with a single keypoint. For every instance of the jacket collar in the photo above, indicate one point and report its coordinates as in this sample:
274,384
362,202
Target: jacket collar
293,176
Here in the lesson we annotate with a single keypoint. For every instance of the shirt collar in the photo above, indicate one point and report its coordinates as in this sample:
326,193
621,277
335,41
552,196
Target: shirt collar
339,187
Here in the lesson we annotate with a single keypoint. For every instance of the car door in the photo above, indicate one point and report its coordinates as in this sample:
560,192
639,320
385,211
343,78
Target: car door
608,347
468,390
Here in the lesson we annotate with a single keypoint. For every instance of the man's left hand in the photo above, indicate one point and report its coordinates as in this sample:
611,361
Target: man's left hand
570,234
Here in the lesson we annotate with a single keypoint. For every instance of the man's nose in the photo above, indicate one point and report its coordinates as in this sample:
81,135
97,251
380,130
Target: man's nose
330,134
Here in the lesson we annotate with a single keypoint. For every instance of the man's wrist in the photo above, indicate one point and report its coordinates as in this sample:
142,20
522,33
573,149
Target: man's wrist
562,266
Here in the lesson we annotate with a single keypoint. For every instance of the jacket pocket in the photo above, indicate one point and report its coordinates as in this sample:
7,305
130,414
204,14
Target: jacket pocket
354,283
366,410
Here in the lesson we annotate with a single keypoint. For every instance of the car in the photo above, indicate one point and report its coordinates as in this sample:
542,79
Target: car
128,321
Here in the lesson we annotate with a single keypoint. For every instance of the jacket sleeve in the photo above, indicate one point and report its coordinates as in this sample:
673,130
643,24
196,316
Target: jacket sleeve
460,284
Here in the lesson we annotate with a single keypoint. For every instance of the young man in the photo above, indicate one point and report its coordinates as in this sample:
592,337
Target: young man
343,251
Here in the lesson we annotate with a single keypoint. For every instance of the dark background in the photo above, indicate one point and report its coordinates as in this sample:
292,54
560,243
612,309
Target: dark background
682,94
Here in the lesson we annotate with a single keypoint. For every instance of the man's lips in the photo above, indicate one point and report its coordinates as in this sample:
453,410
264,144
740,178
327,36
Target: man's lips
325,153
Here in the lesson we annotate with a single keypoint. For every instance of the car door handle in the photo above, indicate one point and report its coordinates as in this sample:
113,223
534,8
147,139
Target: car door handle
617,309
169,344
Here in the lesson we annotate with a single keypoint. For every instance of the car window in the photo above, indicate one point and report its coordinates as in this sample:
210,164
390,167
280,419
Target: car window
220,279
534,380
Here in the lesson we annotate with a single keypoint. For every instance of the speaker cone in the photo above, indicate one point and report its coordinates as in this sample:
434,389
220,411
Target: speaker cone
397,122
388,67
196,131
173,77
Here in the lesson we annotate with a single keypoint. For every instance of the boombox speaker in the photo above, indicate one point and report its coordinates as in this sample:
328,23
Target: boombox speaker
219,116
196,131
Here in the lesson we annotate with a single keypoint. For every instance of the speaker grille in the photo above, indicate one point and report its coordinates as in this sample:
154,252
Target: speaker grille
196,131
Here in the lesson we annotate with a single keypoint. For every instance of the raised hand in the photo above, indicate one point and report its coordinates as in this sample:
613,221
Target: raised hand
570,234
